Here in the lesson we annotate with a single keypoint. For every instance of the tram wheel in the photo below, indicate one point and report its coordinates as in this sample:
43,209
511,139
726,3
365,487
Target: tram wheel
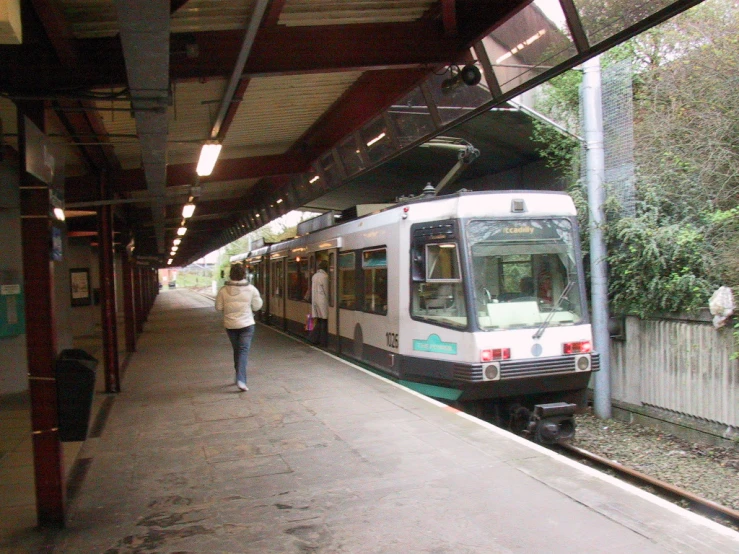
519,419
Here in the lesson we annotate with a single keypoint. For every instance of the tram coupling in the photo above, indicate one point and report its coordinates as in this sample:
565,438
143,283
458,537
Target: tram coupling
551,423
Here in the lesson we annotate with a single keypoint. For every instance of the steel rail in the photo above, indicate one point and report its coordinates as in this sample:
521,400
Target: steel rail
676,492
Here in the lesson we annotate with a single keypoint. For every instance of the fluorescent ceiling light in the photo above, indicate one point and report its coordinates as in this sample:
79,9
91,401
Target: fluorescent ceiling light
181,231
188,210
279,201
169,261
176,242
59,214
533,38
314,179
175,248
208,156
376,139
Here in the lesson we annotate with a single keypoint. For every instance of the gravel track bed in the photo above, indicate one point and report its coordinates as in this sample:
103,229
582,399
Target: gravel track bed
711,472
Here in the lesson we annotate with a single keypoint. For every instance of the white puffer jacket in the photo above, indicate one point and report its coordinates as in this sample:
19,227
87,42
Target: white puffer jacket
238,300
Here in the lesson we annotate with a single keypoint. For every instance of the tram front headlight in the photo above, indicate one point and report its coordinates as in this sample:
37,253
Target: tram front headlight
582,363
491,372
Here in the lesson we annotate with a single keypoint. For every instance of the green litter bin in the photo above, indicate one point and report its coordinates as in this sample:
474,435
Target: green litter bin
75,385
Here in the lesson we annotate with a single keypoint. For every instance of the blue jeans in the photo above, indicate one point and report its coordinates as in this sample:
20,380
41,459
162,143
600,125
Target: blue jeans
241,342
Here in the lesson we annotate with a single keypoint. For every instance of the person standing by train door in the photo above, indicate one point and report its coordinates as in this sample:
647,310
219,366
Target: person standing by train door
238,300
319,303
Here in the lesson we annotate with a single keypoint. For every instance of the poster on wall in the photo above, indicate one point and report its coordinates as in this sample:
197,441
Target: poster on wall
79,283
56,244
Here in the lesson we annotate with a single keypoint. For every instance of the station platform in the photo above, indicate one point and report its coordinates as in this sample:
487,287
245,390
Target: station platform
322,456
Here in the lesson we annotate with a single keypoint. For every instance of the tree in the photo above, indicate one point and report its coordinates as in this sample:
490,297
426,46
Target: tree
681,244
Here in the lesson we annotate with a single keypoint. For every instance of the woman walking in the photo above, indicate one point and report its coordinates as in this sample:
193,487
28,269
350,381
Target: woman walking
238,300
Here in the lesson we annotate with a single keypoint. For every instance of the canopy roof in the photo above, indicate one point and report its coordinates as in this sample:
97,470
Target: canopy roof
308,98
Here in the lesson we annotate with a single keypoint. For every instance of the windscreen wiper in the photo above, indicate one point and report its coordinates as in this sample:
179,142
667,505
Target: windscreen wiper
540,330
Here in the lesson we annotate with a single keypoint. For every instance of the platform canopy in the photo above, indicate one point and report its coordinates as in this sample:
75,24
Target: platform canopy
306,98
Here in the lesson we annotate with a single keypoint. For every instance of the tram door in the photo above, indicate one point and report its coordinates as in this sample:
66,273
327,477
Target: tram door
255,274
276,293
330,257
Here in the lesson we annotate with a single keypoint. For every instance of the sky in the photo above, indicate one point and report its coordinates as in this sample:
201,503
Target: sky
552,10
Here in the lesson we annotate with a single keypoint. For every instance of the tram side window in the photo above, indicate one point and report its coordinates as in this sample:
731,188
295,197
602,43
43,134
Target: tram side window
298,279
374,266
439,298
347,281
277,278
293,281
304,269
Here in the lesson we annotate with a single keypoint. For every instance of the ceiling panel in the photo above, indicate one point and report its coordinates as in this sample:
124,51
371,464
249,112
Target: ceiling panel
276,111
343,12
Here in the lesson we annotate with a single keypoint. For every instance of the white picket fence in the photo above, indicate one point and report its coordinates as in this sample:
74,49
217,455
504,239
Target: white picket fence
682,365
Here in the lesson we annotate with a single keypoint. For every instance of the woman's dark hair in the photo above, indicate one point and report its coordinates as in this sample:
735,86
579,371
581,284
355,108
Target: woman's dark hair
237,272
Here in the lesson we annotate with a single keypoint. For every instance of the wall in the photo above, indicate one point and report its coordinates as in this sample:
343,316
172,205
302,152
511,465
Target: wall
13,361
85,320
681,366
533,176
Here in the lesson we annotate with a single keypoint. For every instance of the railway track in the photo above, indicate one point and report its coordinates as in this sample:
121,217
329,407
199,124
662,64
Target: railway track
686,499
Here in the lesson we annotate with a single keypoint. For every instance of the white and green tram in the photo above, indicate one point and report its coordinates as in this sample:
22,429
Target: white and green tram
476,298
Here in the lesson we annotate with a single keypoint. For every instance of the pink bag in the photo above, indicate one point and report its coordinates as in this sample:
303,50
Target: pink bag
309,323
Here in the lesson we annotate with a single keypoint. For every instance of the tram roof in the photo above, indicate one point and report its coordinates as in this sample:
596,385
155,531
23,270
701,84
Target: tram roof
316,103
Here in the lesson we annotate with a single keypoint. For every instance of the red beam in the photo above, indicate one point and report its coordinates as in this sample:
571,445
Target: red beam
273,13
449,17
369,95
175,5
278,50
80,119
57,30
232,108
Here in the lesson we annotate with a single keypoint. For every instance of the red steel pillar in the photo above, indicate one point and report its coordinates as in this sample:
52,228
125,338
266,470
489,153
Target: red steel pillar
129,307
41,343
138,295
107,292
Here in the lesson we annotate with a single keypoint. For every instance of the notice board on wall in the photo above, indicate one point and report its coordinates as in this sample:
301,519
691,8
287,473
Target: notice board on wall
12,304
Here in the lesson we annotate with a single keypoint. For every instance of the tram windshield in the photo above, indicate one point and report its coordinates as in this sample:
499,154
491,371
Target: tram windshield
521,271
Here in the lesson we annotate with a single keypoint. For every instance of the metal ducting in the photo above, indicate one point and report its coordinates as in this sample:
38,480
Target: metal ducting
144,33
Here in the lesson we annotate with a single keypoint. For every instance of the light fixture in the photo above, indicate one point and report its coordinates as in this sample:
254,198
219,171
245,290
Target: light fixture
59,214
169,261
208,156
469,75
176,242
533,38
314,179
188,210
175,248
376,139
181,231
279,201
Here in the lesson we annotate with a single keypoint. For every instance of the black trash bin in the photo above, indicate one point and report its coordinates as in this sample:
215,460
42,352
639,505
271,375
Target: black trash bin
75,385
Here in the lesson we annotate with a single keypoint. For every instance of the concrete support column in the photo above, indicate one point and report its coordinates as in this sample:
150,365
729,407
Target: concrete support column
595,168
107,293
41,343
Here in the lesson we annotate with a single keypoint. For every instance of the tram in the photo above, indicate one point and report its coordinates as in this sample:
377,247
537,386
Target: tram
474,298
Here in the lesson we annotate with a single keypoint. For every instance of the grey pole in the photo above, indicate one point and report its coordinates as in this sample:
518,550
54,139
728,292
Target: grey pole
595,172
